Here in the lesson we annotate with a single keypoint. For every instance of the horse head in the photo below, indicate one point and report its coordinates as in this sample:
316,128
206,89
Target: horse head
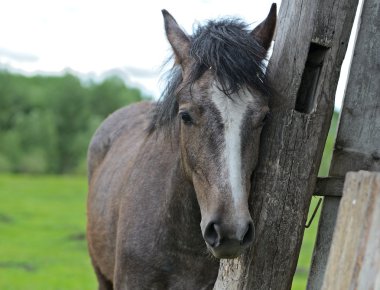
221,104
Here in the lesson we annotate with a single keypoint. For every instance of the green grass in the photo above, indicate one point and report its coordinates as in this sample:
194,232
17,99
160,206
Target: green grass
42,233
42,242
42,227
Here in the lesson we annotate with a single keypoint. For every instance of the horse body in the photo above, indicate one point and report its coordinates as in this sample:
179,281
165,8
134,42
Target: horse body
168,251
167,181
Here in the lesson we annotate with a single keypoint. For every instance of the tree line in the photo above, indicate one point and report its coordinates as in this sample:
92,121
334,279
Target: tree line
46,122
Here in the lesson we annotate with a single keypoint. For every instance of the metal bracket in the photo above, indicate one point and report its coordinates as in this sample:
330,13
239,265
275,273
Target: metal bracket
308,224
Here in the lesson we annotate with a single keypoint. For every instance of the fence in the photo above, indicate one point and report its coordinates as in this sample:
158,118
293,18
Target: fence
310,45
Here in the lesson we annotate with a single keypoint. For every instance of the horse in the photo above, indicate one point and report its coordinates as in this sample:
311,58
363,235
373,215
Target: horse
169,181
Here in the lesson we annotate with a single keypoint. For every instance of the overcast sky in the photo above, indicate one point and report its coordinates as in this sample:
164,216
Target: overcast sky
94,38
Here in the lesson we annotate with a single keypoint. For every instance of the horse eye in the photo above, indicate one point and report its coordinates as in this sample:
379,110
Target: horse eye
186,118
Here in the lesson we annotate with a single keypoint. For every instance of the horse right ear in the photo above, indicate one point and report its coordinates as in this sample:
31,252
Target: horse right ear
179,41
263,33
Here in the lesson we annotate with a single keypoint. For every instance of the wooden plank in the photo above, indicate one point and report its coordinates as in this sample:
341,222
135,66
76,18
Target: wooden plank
329,186
354,261
364,160
358,138
310,44
357,144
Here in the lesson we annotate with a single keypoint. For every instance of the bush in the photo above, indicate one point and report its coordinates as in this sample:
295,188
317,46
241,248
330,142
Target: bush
5,164
33,162
46,122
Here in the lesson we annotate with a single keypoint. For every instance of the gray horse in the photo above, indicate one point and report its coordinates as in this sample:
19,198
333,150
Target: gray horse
169,182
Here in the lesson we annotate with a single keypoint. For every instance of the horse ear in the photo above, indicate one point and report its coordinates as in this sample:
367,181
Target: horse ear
263,33
179,41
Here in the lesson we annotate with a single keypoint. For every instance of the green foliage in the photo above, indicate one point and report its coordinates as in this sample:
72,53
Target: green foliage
46,122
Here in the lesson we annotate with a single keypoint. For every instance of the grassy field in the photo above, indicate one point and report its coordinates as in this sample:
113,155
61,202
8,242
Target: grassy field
42,232
42,235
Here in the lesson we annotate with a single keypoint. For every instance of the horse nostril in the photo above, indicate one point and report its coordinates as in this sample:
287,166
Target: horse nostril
212,235
248,235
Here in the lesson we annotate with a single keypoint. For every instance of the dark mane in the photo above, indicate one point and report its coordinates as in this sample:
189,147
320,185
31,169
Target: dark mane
234,56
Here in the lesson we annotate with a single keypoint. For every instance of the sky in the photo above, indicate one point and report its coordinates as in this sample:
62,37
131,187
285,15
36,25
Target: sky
94,39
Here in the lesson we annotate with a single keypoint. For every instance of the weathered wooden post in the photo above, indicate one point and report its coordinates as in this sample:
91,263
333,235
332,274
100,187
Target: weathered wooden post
357,145
354,260
309,48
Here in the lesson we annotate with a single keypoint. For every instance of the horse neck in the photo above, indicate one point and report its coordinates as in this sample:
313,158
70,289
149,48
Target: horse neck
182,212
181,195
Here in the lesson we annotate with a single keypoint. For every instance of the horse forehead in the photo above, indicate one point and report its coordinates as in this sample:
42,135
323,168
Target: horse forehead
231,108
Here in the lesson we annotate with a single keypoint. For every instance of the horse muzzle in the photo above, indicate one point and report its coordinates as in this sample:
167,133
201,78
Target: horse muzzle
226,241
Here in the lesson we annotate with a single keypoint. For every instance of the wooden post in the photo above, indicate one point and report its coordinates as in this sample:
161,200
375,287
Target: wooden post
354,261
310,45
357,143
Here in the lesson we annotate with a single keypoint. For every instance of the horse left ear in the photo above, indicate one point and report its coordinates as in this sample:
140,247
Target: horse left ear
263,33
179,41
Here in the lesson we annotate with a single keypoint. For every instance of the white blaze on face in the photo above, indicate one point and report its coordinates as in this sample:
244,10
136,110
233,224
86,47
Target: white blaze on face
233,111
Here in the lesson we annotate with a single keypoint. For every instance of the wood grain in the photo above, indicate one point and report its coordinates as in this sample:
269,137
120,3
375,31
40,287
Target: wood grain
354,261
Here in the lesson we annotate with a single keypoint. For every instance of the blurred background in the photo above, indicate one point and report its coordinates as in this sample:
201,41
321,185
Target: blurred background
64,67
